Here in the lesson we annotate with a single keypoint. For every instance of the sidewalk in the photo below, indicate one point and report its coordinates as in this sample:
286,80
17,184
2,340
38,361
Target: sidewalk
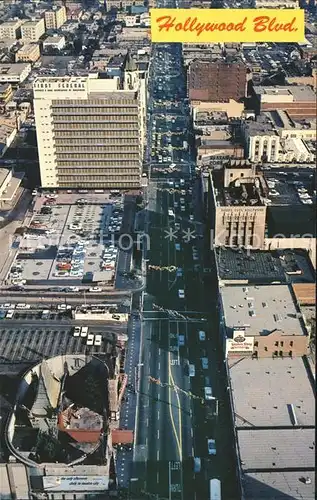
124,458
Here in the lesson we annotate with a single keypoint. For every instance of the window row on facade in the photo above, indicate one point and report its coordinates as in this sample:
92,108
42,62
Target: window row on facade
105,135
93,102
128,156
98,171
95,142
95,125
95,178
101,164
105,118
91,109
99,150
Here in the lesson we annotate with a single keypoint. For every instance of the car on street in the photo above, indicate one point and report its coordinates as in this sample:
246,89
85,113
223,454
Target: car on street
181,340
202,335
181,294
211,446
204,363
208,393
95,289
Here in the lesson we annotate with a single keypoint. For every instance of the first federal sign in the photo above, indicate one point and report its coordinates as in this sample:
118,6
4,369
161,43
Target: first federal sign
227,25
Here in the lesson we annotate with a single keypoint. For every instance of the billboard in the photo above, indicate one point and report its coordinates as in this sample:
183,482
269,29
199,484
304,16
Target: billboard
239,343
75,483
227,25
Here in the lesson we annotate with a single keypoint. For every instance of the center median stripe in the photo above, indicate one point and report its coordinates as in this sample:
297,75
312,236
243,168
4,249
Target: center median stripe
170,406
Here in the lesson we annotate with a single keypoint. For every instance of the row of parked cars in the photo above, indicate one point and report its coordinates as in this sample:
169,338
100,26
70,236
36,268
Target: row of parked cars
109,257
7,310
70,261
16,278
115,220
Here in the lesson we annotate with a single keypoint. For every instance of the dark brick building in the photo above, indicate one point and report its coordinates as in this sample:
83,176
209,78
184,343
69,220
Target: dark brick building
217,81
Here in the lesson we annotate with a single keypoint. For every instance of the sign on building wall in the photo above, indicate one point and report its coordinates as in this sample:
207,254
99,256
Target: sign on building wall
75,483
239,343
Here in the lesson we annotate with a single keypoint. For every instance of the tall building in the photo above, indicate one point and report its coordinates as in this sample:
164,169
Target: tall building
90,131
55,17
33,30
237,209
217,81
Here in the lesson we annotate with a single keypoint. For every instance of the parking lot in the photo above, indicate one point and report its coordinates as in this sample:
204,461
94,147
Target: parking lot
69,237
29,343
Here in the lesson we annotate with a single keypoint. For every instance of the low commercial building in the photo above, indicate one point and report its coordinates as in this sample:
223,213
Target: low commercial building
262,321
264,267
6,93
122,4
298,100
33,30
273,406
28,53
133,34
275,137
54,42
7,135
289,128
218,146
14,73
205,110
9,184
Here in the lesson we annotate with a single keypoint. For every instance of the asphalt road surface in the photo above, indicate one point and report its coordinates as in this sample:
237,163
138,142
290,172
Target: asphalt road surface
174,421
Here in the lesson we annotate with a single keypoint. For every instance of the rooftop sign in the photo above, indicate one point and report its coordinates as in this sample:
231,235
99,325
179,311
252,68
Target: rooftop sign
227,25
75,483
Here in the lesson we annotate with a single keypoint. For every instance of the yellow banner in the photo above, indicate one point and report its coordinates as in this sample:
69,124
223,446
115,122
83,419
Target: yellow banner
227,25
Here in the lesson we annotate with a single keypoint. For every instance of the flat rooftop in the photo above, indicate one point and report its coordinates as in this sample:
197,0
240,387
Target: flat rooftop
278,485
263,267
272,385
280,449
299,92
250,266
262,309
262,126
205,118
244,194
282,120
13,69
4,172
285,190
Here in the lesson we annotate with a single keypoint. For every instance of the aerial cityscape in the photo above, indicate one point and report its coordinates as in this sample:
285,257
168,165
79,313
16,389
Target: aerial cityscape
157,256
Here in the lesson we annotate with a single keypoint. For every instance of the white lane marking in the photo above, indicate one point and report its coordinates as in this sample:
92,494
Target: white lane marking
158,434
